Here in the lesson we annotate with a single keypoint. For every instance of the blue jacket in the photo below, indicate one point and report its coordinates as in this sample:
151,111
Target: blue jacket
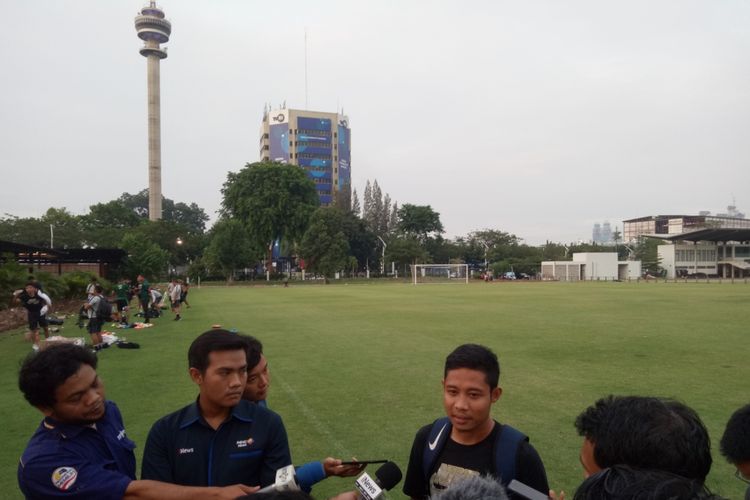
78,461
247,448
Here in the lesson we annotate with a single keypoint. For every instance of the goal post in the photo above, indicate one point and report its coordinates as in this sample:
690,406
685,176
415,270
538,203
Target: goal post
436,274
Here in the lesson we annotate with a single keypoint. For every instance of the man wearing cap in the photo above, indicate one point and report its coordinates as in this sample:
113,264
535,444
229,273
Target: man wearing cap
37,303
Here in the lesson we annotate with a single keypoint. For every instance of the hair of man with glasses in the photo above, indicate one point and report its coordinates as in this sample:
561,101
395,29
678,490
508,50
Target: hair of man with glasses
646,433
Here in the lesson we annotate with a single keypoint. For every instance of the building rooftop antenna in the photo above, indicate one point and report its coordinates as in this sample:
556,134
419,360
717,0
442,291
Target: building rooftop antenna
306,106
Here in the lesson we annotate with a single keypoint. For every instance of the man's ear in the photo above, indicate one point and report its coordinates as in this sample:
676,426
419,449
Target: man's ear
196,375
46,410
496,393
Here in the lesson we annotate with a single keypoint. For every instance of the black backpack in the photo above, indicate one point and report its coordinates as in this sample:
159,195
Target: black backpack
104,312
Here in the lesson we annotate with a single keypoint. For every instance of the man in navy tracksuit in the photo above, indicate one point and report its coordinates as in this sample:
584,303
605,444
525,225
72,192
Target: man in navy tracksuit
81,450
219,439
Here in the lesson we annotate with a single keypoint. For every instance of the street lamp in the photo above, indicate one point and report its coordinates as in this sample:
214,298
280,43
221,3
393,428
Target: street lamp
382,261
486,248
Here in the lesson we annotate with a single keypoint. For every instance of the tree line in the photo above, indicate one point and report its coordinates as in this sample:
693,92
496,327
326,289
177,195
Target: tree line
268,205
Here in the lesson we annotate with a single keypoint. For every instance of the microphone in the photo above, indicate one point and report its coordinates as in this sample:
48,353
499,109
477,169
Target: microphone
286,480
386,477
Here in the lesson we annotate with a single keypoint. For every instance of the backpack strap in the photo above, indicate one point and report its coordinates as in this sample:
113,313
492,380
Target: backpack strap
507,441
506,445
438,436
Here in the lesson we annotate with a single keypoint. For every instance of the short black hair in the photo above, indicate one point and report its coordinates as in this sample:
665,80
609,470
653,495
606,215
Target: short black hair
475,357
735,443
210,341
43,372
621,482
98,288
254,350
647,433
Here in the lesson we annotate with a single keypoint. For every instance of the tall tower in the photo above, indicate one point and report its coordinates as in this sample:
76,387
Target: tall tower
153,29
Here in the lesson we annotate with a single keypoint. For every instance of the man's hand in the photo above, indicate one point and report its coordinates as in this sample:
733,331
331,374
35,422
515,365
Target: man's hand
553,495
348,495
236,491
333,467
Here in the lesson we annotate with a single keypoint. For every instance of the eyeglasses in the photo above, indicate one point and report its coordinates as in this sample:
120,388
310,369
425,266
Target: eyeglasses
739,475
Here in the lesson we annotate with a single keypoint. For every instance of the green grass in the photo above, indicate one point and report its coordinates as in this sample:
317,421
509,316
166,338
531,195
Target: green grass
356,369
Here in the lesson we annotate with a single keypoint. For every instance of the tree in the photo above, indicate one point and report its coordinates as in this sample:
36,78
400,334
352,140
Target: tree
377,211
356,208
191,216
405,251
343,199
419,222
106,223
67,229
647,251
229,247
144,257
273,200
362,243
324,246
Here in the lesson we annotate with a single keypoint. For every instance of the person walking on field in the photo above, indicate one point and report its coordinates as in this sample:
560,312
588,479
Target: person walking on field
144,296
175,297
37,303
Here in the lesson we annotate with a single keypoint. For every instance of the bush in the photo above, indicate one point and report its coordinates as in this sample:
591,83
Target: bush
12,277
73,285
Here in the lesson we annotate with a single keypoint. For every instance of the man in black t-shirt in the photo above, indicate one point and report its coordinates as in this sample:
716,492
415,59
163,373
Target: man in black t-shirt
469,442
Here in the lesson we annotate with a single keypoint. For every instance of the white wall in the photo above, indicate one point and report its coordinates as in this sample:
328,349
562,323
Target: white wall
599,265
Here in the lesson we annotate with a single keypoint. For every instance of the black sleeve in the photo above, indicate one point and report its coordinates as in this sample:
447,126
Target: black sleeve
530,469
415,484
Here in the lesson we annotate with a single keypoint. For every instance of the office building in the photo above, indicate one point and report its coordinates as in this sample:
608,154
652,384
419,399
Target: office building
671,225
318,142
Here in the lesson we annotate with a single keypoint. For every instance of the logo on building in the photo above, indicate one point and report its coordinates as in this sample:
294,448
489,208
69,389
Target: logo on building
279,118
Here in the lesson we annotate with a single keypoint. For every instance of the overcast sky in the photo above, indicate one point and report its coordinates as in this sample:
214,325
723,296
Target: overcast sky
538,118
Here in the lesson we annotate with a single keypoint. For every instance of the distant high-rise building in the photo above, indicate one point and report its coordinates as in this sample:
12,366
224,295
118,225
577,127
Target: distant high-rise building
318,142
596,235
606,232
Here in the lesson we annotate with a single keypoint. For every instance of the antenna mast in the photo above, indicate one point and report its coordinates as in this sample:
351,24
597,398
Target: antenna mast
306,68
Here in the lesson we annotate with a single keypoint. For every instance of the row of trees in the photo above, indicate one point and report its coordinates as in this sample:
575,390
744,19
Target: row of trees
268,204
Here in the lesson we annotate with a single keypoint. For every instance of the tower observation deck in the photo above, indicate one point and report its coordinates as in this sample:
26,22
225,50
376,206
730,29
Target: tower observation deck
154,30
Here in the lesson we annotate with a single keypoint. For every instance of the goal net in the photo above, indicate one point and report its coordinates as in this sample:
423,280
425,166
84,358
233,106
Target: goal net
423,274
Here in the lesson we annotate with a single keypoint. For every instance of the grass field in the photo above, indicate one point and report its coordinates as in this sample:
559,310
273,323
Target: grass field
356,369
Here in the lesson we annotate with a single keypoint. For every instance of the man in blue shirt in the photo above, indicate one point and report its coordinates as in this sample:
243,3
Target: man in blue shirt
81,449
219,439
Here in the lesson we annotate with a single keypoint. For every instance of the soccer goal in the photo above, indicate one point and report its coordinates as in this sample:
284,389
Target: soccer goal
448,274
